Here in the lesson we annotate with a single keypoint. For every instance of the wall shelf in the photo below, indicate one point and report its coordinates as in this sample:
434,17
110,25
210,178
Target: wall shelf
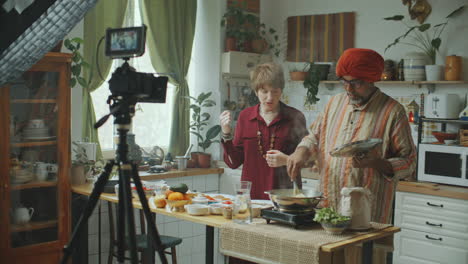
430,84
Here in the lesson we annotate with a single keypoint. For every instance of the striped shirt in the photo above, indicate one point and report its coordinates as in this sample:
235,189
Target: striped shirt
381,117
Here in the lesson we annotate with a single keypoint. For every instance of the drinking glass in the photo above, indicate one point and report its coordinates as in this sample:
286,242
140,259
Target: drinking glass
242,212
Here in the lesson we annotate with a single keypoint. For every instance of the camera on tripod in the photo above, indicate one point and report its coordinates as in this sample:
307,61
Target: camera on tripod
125,81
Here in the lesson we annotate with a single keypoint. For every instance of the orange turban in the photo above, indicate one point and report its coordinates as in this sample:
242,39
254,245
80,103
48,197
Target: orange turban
364,64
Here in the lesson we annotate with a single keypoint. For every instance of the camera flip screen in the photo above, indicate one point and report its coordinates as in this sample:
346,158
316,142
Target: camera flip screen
125,42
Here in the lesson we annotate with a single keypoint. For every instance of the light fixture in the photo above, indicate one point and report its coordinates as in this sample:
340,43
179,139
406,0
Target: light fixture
51,27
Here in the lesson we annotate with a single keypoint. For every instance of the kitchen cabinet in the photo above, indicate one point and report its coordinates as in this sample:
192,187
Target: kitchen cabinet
35,156
433,227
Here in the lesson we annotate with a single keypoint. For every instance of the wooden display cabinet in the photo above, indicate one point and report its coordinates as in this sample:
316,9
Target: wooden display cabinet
35,215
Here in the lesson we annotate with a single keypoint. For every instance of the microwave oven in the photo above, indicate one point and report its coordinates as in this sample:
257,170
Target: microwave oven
443,164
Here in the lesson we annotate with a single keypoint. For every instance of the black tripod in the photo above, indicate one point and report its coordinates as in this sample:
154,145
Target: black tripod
122,109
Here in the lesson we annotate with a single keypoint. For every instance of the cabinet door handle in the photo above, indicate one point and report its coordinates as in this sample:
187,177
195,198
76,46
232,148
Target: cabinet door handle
431,238
435,205
431,224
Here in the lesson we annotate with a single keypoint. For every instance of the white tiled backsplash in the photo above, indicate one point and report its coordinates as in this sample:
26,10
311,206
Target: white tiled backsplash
192,249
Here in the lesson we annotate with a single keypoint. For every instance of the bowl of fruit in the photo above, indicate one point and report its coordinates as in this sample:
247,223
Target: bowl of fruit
177,197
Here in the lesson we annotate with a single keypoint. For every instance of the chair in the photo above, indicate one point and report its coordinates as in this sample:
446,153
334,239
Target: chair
145,249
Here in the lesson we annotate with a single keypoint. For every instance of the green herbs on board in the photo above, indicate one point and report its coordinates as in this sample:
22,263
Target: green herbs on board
329,215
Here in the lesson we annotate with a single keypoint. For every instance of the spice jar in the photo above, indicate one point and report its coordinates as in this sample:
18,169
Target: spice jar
453,68
227,212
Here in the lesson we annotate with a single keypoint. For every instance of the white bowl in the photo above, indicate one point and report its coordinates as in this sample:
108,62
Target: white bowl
216,208
200,200
197,209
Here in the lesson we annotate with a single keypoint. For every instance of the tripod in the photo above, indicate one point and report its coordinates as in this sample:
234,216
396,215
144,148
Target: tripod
122,109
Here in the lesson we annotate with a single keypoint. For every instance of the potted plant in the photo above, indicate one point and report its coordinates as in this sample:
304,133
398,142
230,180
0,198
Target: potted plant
298,74
198,125
81,164
78,62
422,38
331,220
234,21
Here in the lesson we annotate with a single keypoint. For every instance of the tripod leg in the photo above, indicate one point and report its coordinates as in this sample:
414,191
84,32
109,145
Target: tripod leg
90,205
127,220
156,240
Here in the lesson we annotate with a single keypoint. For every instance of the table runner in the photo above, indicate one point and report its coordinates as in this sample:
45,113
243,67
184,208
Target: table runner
278,243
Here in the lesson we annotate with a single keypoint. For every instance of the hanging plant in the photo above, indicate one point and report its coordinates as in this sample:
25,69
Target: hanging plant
78,62
311,84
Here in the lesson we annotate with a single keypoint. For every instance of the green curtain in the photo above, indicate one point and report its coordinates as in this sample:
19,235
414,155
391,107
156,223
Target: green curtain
171,28
105,14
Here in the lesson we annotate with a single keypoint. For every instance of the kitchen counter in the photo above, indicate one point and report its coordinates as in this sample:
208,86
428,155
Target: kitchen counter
436,189
145,176
329,253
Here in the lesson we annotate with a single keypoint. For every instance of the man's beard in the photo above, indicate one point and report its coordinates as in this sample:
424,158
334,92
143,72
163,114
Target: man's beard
357,100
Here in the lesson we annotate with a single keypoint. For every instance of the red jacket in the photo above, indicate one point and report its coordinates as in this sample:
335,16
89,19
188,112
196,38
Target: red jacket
289,128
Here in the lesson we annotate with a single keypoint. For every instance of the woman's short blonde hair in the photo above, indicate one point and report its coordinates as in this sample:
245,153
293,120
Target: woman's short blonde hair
267,74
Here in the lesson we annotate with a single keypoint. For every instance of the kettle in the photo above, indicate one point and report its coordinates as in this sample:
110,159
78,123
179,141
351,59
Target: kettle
356,203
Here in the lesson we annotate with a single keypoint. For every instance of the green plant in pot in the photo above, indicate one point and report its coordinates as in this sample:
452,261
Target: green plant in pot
331,220
82,166
199,124
425,37
234,20
78,62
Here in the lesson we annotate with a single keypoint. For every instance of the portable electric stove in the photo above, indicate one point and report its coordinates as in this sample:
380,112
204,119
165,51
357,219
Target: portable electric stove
294,219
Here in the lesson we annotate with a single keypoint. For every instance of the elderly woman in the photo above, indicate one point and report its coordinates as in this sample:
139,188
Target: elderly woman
265,134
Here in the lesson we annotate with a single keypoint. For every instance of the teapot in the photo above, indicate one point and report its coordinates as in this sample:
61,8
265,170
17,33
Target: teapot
22,215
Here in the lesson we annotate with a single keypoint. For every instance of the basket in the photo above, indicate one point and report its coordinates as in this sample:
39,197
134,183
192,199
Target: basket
464,137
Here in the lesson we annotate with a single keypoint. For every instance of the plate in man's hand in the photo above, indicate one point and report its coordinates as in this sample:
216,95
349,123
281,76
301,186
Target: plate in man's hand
356,147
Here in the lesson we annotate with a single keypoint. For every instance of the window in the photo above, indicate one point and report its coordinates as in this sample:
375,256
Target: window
152,122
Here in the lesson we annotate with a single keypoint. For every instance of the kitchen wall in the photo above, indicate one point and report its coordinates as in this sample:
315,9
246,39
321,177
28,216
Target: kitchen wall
371,32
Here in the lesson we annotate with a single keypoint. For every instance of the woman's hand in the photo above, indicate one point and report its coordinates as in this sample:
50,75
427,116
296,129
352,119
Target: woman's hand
276,158
225,120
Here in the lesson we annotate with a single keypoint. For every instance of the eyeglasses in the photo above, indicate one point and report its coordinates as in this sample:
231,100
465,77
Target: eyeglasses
355,83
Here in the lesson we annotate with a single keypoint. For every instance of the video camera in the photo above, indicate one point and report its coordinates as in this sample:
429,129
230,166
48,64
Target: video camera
125,81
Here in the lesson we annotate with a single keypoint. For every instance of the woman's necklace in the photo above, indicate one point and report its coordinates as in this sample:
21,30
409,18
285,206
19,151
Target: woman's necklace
259,140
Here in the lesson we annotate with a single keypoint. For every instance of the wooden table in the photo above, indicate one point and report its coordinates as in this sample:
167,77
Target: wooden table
330,253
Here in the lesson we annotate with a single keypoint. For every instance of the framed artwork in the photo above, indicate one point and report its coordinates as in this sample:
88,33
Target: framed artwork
319,38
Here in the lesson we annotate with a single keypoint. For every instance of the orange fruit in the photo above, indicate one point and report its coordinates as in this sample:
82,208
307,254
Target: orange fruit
168,192
175,196
159,202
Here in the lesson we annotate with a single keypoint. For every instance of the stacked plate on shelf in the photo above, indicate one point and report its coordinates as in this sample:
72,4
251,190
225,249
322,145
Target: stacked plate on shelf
36,133
21,175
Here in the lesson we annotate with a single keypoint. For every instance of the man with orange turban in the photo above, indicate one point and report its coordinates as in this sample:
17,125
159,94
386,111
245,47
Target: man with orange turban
361,112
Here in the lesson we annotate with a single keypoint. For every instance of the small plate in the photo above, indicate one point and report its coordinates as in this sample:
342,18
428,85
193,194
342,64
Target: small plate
353,148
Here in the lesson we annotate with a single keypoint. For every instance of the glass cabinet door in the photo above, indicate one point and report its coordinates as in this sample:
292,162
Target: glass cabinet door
34,160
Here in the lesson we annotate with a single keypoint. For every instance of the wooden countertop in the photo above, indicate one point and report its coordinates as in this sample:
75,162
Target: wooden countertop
177,173
210,220
436,189
218,221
